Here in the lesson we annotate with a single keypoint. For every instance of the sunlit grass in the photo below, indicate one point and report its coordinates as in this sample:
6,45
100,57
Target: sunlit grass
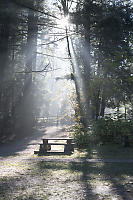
32,178
95,152
111,152
62,180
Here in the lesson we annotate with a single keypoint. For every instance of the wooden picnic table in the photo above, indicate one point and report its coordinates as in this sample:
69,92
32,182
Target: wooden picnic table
46,146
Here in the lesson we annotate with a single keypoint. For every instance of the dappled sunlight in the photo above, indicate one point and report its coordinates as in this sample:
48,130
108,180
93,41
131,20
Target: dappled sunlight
102,188
71,179
104,180
12,168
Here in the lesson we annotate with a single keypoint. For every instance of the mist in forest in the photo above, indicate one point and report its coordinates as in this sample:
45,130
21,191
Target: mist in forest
64,60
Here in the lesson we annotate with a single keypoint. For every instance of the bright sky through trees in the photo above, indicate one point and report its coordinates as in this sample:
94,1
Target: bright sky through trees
60,91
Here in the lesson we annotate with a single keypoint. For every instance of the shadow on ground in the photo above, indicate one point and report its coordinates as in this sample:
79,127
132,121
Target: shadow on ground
21,144
70,180
96,180
116,178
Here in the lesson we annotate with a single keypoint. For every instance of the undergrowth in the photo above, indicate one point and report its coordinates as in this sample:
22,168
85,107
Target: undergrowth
103,131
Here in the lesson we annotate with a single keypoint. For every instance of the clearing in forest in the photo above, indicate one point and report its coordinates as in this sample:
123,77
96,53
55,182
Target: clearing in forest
27,176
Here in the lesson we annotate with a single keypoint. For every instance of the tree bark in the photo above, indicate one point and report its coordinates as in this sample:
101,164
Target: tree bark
28,96
4,58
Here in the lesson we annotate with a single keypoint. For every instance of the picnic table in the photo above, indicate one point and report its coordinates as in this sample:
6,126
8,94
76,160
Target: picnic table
48,142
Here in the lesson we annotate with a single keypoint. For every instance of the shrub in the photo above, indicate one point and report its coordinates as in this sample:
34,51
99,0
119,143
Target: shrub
81,137
103,131
112,131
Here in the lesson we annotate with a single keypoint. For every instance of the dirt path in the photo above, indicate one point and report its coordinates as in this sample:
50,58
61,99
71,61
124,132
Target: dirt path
23,150
27,145
25,176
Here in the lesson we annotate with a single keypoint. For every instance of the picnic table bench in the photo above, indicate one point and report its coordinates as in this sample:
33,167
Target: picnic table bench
48,142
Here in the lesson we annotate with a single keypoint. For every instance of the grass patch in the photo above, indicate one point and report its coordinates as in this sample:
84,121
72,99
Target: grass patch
110,152
56,180
69,180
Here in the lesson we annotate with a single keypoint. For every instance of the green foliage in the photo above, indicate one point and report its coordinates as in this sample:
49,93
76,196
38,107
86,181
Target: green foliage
103,131
81,137
107,35
112,131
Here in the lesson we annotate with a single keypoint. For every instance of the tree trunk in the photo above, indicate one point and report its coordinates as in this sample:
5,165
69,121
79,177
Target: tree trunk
4,37
28,96
103,105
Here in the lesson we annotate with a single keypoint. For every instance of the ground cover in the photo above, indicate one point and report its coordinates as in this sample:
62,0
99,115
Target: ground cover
25,176
109,151
30,177
53,180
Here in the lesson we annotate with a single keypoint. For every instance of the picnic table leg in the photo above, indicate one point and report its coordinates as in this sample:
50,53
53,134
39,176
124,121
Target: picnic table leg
69,147
42,149
46,145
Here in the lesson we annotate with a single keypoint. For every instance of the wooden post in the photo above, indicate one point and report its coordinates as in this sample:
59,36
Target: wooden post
46,145
69,147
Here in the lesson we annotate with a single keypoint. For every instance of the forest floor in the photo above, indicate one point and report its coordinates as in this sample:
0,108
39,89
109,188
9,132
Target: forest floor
102,172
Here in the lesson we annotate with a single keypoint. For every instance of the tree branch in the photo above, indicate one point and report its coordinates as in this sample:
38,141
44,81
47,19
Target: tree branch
34,71
54,41
24,72
34,9
53,56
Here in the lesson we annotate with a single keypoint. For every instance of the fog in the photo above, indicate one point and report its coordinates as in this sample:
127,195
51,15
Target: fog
56,83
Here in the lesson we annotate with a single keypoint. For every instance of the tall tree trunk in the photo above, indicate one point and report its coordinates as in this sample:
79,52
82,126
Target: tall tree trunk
79,110
87,65
4,37
103,105
28,96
